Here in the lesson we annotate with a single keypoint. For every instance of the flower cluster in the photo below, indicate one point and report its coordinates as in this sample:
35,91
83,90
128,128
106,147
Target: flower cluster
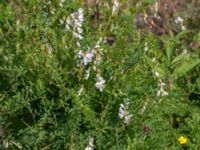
98,51
115,7
100,83
87,57
74,23
93,56
161,84
161,91
180,20
124,113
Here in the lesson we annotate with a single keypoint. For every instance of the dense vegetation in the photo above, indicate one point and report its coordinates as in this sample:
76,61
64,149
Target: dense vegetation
102,75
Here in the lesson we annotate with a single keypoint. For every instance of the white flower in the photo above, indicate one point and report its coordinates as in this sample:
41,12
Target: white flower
184,51
67,26
61,21
145,48
144,107
127,118
50,49
87,57
80,91
68,21
80,54
121,111
178,20
90,144
87,74
53,11
61,3
124,114
156,74
94,66
17,22
115,7
5,144
154,60
100,83
78,44
49,3
80,30
164,93
145,18
183,27
77,35
161,91
80,16
98,54
161,84
156,10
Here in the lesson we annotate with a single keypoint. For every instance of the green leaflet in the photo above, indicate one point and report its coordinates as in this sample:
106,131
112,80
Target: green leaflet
186,66
169,47
180,59
170,44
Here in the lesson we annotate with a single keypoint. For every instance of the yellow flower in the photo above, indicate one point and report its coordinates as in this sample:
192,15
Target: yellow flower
182,140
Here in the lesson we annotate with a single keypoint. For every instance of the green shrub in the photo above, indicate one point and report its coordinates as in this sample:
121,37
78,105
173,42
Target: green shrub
78,76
